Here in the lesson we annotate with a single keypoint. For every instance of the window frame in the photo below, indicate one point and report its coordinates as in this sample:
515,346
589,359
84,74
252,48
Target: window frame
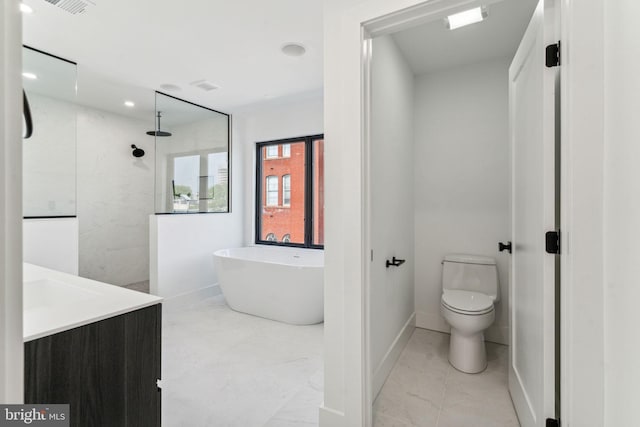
267,190
273,156
308,190
285,190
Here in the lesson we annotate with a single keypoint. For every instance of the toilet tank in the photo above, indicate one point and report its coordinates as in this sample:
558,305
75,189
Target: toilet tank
471,273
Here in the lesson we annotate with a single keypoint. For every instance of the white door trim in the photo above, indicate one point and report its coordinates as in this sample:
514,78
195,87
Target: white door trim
348,399
390,23
11,338
581,222
582,334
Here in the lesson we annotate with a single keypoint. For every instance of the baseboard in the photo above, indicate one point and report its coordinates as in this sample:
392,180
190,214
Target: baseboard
330,417
499,335
389,360
193,297
435,322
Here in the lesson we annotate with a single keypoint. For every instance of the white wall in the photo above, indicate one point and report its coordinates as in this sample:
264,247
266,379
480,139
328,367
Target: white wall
287,118
461,180
51,243
115,196
11,347
391,292
621,213
182,245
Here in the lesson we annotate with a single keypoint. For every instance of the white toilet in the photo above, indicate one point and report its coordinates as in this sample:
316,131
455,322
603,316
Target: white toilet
469,291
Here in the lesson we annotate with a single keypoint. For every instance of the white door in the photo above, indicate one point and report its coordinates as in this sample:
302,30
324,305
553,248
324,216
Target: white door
532,91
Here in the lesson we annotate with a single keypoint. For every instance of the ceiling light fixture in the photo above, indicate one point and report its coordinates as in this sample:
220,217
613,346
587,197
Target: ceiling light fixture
29,76
293,49
25,8
465,18
129,104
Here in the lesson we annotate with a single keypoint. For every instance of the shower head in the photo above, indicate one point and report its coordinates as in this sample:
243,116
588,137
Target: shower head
158,132
137,152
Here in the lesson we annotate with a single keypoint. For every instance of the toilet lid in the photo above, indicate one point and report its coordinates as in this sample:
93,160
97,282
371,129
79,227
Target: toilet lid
467,301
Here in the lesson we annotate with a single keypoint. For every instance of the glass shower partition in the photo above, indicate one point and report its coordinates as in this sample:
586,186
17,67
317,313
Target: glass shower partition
49,153
192,157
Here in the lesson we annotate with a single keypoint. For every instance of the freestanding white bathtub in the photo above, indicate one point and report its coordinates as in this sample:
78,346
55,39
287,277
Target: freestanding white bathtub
279,283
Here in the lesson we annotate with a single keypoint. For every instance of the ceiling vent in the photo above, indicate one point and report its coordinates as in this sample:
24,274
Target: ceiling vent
205,85
74,7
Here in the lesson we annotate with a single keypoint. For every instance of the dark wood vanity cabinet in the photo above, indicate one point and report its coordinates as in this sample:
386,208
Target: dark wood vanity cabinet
107,371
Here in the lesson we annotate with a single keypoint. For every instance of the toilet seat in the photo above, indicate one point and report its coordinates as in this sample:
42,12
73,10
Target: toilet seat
467,302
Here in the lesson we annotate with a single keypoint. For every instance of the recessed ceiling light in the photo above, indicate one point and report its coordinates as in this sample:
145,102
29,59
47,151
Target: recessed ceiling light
29,76
467,17
293,49
170,87
25,8
129,104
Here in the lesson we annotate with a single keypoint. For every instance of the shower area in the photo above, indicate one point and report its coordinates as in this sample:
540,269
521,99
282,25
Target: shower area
104,157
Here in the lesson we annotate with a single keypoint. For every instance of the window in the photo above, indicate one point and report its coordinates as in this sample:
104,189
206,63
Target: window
299,215
198,182
272,190
286,190
272,151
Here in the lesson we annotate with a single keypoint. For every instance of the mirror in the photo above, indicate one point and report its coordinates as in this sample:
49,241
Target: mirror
192,157
103,154
49,154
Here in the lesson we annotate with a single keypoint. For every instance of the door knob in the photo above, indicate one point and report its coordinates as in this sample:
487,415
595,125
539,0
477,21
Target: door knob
395,262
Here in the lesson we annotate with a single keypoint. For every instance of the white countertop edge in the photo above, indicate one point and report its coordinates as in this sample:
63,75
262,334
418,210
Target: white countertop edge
57,315
85,322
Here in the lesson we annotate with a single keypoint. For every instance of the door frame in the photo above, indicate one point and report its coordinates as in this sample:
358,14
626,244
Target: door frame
348,24
11,338
421,13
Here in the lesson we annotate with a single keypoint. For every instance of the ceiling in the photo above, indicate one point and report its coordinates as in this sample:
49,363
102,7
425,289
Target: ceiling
432,47
127,49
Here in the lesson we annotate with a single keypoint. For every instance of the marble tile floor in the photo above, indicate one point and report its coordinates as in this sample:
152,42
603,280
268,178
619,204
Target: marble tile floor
221,368
424,390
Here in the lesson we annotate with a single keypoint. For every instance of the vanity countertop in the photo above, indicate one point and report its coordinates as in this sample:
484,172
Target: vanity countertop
55,301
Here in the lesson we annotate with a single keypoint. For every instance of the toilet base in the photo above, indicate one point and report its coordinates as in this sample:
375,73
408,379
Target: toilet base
467,353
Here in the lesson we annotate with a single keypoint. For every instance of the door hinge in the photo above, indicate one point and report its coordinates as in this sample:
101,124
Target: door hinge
553,55
552,422
552,242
